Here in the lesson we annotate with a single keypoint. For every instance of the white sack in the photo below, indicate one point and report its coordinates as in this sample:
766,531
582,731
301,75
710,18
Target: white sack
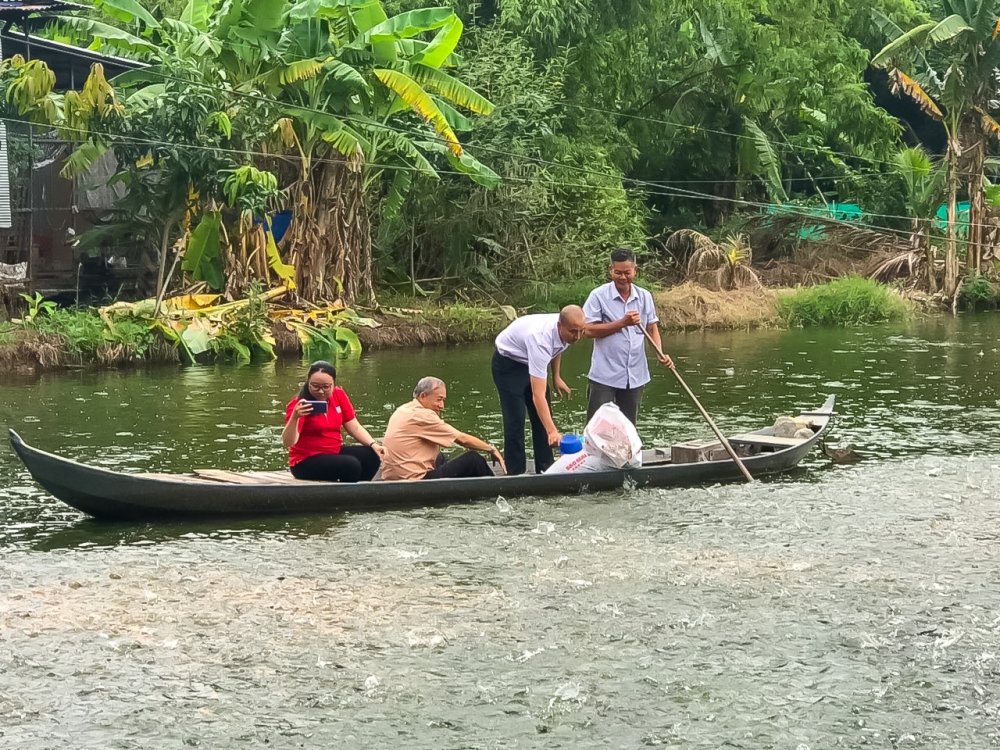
580,461
611,435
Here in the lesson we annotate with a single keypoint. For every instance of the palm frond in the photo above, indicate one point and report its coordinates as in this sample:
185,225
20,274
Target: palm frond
906,43
990,125
902,82
900,266
948,29
451,88
421,103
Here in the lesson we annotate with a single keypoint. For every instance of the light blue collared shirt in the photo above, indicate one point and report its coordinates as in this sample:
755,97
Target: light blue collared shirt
619,360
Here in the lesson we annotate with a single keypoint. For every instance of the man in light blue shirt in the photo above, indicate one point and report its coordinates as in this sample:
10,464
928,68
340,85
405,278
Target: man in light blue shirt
618,369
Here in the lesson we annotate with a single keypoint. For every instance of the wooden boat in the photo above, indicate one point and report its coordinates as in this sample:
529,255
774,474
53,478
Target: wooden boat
210,493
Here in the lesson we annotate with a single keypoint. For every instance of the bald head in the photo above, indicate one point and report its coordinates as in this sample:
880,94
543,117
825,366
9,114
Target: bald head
572,323
572,315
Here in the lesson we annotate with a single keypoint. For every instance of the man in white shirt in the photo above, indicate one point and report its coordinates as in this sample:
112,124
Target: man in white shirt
524,351
615,311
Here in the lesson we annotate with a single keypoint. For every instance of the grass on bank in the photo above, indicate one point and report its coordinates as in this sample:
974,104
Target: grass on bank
850,300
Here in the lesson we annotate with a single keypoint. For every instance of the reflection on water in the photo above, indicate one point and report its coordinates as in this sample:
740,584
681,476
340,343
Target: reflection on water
837,606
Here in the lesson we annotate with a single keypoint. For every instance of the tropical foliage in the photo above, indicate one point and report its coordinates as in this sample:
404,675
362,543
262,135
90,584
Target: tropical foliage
253,106
196,325
959,88
511,144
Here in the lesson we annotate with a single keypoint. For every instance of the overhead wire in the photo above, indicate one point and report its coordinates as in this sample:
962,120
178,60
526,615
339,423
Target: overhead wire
527,180
660,188
788,148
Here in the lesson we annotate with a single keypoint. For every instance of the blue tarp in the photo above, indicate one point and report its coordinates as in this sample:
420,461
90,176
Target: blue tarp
280,222
849,212
962,209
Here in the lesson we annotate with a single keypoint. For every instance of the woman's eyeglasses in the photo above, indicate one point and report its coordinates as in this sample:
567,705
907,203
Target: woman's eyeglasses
321,388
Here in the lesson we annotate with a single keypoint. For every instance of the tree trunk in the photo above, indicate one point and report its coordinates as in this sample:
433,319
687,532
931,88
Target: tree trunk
919,243
164,247
331,235
975,166
951,252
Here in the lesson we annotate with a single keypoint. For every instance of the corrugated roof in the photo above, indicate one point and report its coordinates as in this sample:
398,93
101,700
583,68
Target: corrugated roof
21,7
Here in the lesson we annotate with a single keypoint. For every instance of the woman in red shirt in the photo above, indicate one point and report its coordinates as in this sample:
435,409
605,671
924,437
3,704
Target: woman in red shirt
316,449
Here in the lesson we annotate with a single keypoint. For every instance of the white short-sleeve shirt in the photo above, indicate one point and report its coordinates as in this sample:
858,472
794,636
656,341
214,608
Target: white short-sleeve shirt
532,340
619,360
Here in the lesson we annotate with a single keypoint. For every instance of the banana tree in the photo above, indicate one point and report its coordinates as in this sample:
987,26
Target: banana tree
719,82
960,97
923,181
352,95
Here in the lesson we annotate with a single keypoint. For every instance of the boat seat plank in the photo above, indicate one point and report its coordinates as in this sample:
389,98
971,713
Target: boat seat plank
276,477
232,477
188,478
750,437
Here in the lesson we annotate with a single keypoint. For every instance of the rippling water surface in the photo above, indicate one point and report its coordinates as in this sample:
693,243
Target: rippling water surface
837,606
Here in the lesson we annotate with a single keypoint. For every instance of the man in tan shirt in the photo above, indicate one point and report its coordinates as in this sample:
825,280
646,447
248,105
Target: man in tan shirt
416,434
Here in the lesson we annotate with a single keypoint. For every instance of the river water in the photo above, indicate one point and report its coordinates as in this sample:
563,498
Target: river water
834,607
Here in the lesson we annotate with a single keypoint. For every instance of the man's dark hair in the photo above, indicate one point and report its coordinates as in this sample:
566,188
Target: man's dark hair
623,255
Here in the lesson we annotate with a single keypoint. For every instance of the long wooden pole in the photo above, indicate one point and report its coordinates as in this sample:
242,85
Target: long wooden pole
718,434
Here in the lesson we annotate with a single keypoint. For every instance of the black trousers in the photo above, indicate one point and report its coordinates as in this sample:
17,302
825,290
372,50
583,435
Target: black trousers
627,399
469,464
514,386
354,463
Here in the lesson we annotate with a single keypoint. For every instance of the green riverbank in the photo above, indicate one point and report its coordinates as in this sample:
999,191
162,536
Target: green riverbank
56,339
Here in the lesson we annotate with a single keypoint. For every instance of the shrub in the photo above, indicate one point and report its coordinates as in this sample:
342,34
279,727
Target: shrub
561,204
977,293
552,297
83,330
850,300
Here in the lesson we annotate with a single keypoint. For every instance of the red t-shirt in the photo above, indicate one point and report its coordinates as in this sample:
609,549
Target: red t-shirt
319,434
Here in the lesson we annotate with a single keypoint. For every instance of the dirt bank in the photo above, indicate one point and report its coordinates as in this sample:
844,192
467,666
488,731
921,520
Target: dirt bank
433,328
27,351
692,306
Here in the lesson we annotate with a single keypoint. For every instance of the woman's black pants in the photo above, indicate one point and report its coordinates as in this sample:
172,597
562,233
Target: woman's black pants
354,463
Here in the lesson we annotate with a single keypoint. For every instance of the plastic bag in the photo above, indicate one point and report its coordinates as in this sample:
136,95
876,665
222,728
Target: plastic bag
610,435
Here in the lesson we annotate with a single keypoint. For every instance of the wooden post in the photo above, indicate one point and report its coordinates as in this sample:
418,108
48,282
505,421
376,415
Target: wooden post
413,273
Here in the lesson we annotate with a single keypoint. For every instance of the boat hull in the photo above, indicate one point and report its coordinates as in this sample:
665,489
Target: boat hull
113,495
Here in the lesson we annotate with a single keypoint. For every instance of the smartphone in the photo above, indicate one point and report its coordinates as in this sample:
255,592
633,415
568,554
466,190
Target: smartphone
319,407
